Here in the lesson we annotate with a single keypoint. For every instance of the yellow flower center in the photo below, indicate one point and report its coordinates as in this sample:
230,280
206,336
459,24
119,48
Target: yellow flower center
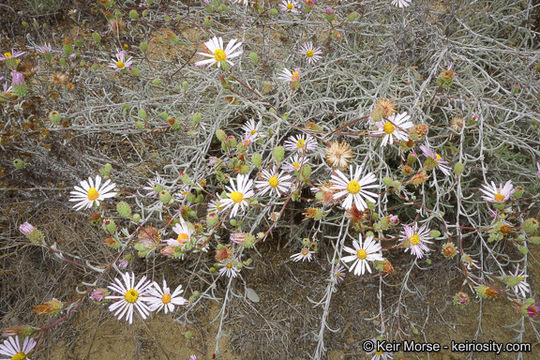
301,143
131,296
388,127
295,76
19,356
182,238
273,181
220,55
415,239
289,6
499,196
304,252
296,164
166,298
253,132
379,352
438,157
120,64
521,278
338,273
92,194
8,55
229,265
353,187
237,197
361,254
310,53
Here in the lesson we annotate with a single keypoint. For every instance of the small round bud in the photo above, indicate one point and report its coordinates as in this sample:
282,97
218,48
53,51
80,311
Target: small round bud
449,250
19,164
273,11
123,209
136,218
54,117
458,168
279,153
530,226
110,226
461,298
143,46
253,56
256,159
352,16
165,196
220,134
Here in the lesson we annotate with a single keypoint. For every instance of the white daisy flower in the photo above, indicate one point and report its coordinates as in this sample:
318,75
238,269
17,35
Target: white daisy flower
401,3
181,194
339,273
294,163
415,239
290,77
154,186
121,61
228,267
379,354
274,183
162,299
494,194
252,129
301,143
304,254
12,348
131,296
362,253
289,6
217,54
395,127
441,163
237,194
354,190
312,54
184,234
215,206
522,287
91,192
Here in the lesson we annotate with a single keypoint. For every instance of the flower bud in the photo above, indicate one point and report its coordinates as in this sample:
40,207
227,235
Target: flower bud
110,226
256,159
253,56
98,294
165,197
50,308
530,226
123,209
449,250
461,298
486,292
134,14
54,117
352,16
220,134
458,168
26,228
278,153
19,163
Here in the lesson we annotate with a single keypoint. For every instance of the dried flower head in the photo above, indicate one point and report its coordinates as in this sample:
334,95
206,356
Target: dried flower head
338,154
387,107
